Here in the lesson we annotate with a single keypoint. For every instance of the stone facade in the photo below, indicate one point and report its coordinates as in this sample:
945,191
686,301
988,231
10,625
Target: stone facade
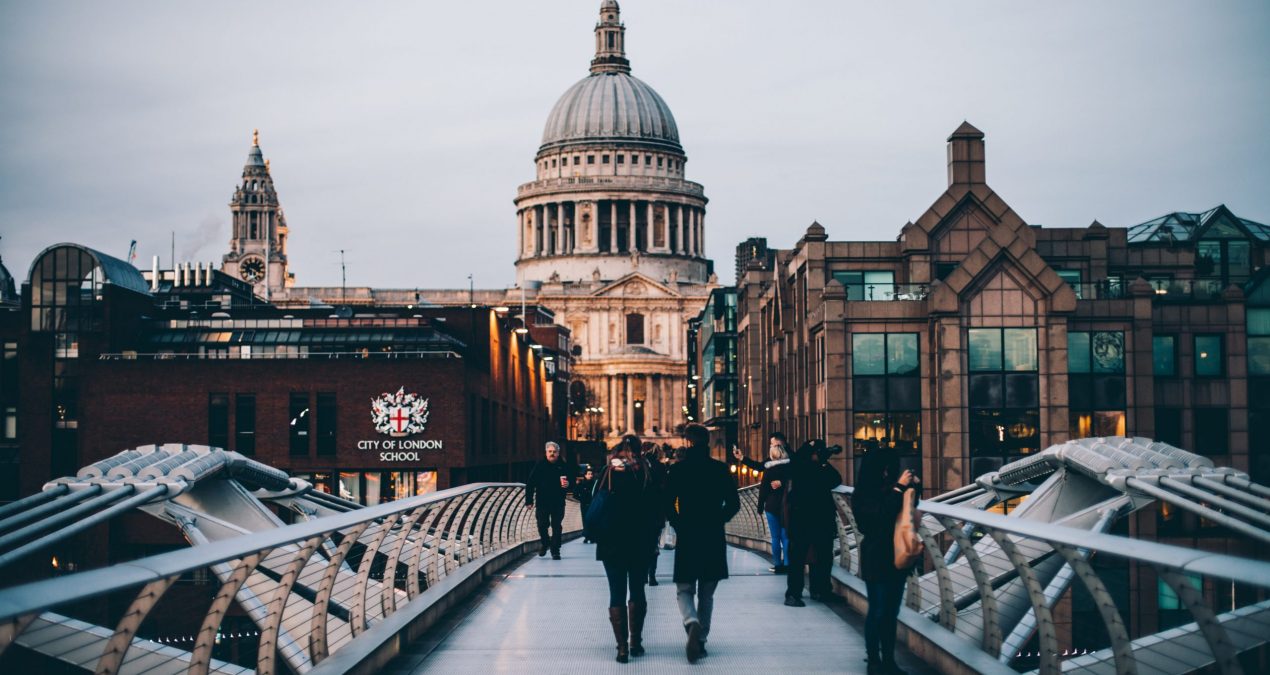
975,338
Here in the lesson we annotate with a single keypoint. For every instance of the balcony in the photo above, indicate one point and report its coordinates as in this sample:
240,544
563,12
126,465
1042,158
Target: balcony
886,292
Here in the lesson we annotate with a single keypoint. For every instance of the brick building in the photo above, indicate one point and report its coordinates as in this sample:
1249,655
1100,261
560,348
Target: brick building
974,338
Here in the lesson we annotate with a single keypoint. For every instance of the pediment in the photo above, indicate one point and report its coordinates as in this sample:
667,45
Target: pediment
635,285
1016,273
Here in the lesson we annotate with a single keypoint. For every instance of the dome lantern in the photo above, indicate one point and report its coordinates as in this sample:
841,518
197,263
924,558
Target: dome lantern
610,38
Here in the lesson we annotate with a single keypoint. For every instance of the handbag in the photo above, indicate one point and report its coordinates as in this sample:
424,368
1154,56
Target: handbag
597,522
908,546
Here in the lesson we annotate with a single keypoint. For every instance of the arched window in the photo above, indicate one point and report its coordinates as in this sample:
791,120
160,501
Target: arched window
634,329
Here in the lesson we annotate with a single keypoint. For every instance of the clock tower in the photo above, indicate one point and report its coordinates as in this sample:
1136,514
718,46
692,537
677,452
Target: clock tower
258,243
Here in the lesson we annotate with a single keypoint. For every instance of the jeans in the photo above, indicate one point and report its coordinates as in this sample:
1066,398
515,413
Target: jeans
780,539
622,575
701,610
550,516
881,620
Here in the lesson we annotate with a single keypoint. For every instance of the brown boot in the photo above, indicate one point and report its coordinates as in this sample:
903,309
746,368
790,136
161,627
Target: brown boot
617,617
638,610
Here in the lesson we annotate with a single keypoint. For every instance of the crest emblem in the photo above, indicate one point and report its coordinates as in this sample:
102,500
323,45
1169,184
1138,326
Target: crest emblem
399,414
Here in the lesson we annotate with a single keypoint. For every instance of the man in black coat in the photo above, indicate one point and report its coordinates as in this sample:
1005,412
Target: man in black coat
700,498
551,479
810,519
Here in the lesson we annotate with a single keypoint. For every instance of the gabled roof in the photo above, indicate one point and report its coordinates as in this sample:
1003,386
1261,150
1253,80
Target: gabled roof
1183,226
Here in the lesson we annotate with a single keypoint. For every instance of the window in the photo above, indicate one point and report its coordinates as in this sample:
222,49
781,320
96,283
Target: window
1072,277
868,285
553,163
298,412
634,329
943,269
1172,612
1258,341
10,423
590,159
9,370
648,160
1208,356
218,420
1168,426
1211,431
1096,383
621,159
604,159
326,413
1004,395
886,394
659,162
1099,352
1164,355
577,159
245,423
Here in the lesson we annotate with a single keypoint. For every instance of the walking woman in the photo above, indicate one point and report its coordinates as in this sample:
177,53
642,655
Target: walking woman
624,547
877,502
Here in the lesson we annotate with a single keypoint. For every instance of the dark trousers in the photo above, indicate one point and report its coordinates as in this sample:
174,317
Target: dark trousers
880,622
550,516
817,554
622,575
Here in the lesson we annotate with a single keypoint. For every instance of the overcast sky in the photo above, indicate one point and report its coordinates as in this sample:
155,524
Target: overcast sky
399,131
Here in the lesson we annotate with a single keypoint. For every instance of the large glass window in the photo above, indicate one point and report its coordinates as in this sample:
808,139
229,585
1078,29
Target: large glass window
868,285
1211,431
886,394
326,413
1004,394
245,423
1072,277
1096,383
1208,356
218,420
634,329
1164,355
298,410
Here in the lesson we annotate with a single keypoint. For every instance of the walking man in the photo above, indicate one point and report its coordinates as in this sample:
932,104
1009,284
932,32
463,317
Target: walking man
700,498
551,479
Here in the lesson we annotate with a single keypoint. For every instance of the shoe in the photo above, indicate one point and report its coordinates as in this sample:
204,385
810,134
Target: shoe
636,611
704,653
791,601
652,581
542,551
781,569
693,648
617,619
874,667
772,570
555,555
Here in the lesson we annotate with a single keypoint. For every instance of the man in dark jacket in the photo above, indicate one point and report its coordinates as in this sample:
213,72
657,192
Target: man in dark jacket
700,498
809,517
551,479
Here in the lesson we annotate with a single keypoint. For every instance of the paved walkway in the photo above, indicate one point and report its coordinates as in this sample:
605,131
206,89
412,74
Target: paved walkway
550,616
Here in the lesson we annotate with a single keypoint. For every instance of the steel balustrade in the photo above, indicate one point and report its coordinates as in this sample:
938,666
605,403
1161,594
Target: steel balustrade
983,568
311,587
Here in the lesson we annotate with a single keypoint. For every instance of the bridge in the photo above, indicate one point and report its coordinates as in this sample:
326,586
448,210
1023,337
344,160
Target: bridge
1027,569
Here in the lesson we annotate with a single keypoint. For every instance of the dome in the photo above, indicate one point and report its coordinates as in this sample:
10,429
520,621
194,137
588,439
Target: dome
611,106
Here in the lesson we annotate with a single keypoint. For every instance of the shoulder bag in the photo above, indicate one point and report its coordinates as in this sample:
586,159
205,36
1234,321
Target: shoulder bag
908,546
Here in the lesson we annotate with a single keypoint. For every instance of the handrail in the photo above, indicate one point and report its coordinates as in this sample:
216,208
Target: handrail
289,356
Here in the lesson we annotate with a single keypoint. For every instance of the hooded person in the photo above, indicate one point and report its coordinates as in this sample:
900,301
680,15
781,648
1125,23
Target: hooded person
810,518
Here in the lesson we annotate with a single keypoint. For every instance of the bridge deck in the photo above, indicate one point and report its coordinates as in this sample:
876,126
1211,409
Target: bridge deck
549,616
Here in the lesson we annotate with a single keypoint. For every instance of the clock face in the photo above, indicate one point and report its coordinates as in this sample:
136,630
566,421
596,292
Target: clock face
252,270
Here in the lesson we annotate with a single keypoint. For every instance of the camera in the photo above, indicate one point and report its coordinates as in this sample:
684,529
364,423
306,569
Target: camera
832,450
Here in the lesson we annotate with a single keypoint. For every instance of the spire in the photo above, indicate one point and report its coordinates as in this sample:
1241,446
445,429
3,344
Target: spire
610,41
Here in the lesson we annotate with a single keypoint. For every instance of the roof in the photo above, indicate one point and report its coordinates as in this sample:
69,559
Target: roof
1184,226
114,271
607,107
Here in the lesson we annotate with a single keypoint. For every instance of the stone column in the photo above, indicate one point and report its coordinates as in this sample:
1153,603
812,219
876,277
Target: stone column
630,403
630,230
679,229
613,226
610,406
560,228
701,232
691,248
649,226
650,395
520,234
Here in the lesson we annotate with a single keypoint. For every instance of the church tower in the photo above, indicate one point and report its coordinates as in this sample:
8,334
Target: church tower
258,244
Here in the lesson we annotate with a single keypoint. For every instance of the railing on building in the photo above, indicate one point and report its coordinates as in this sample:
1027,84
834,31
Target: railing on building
255,355
886,292
318,587
1100,290
985,586
625,182
1188,290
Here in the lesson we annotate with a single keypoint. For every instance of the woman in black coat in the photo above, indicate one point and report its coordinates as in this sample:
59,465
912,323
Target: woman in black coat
877,502
624,547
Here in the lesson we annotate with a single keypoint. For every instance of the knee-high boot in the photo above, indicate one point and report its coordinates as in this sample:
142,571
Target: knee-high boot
638,610
617,618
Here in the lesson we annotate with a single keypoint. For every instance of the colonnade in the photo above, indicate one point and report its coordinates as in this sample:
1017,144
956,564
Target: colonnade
605,226
659,397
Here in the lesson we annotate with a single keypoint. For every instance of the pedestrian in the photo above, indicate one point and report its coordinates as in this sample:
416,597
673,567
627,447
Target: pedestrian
583,492
700,497
771,497
877,502
551,480
657,485
810,520
624,546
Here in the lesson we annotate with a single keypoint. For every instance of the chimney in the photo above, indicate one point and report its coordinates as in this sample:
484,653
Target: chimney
965,156
154,275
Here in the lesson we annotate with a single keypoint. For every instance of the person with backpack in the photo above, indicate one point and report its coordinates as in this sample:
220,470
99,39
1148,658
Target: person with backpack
877,503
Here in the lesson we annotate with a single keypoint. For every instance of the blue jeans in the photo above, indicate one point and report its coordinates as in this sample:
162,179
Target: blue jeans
880,623
780,539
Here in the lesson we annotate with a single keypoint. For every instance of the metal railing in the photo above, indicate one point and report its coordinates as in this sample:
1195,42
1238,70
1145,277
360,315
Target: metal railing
886,292
996,582
627,182
310,588
281,356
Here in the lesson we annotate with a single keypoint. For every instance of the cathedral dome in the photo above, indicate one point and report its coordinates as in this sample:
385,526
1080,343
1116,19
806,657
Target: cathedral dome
611,107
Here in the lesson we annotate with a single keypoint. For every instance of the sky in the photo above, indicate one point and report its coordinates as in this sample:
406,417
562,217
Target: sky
398,131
